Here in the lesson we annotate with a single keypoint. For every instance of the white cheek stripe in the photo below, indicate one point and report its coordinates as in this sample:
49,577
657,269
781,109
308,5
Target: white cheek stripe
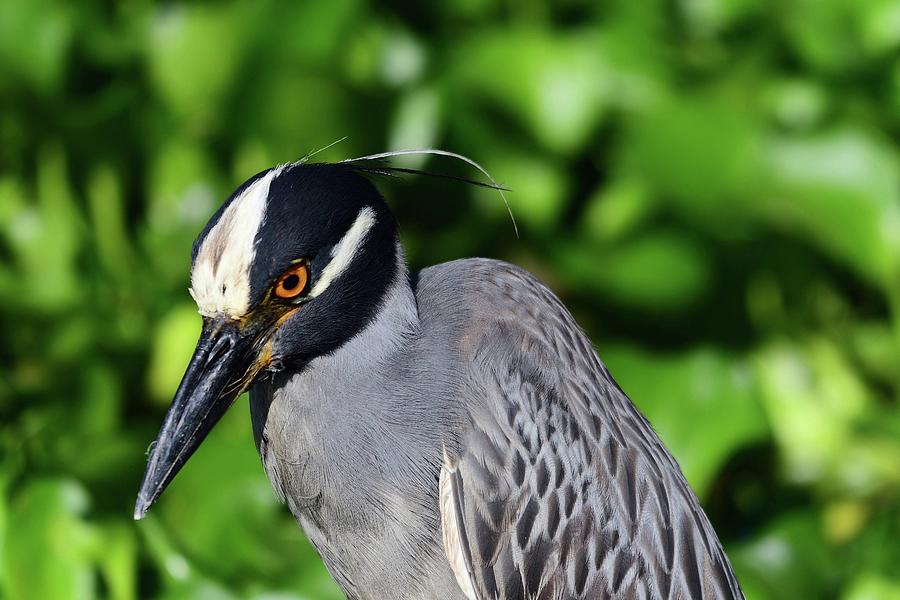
220,278
345,250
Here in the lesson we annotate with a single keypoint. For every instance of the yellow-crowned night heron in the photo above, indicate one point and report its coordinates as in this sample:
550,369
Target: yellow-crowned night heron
447,435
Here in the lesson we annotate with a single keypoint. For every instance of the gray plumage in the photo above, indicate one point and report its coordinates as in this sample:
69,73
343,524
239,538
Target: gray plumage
562,487
446,436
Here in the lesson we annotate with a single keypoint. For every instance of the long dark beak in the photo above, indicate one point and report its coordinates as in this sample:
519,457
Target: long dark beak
218,372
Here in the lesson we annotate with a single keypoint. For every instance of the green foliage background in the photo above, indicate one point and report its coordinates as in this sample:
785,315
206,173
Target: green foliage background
712,186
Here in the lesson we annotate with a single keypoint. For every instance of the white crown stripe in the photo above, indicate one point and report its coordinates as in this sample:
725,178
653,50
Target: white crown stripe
220,277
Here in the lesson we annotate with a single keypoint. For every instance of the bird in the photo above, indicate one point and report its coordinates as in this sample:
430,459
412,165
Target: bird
448,434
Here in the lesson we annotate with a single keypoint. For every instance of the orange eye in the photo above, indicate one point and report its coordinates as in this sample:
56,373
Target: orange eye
292,282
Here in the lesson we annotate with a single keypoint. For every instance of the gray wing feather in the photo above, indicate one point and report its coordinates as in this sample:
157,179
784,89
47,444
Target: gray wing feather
562,490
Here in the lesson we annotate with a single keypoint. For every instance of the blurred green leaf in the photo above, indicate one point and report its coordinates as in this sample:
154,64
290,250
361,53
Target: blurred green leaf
403,59
47,546
815,401
713,16
118,559
4,513
870,586
173,344
842,189
557,85
788,560
49,226
333,22
893,95
172,566
416,124
797,103
108,222
194,53
879,25
537,199
198,589
182,195
35,36
702,154
877,349
822,34
616,209
297,113
659,270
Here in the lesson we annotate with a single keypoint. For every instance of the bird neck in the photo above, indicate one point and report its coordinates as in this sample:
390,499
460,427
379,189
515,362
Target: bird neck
396,320
342,404
352,443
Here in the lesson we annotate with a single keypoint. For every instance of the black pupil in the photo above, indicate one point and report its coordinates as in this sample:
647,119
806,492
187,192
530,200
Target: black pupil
290,282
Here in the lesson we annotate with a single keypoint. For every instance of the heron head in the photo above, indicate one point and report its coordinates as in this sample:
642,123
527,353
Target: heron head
293,265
